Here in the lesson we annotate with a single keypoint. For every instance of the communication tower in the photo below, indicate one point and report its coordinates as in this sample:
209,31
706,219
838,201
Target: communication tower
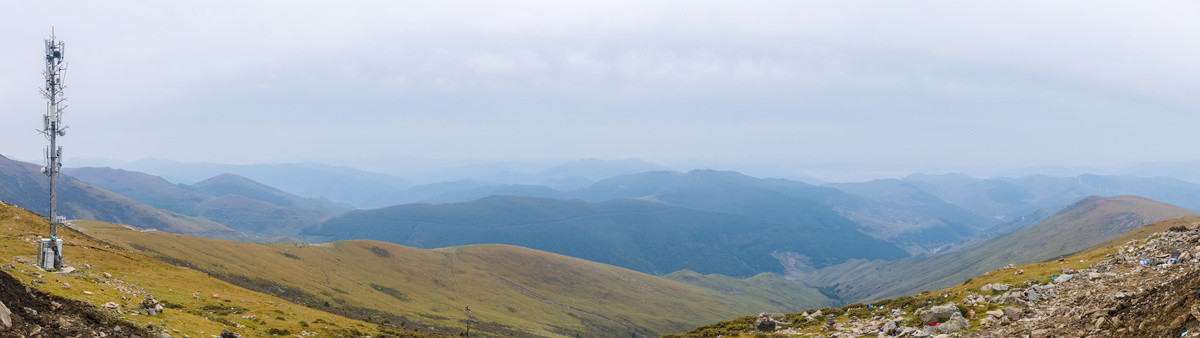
50,250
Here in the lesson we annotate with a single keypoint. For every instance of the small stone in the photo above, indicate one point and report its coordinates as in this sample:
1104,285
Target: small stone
107,275
87,292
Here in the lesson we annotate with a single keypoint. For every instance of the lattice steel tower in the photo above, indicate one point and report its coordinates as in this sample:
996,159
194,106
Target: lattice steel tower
50,250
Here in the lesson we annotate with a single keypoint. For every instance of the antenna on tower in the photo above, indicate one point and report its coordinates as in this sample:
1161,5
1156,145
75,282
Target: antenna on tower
50,250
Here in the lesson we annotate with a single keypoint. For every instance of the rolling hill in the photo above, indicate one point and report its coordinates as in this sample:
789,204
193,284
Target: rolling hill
231,200
24,185
195,304
641,235
511,291
1086,223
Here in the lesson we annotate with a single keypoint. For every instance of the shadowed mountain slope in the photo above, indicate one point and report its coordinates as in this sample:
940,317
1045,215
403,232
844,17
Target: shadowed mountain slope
928,224
641,235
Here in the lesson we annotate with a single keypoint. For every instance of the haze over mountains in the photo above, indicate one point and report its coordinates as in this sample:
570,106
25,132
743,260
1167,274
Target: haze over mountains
717,232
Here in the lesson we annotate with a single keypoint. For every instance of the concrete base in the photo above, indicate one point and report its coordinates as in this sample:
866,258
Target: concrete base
47,257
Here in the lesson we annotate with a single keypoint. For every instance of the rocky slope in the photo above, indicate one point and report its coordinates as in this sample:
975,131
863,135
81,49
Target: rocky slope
28,312
1142,284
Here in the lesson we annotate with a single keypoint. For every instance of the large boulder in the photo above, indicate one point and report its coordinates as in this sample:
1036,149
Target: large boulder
764,324
955,323
5,315
939,313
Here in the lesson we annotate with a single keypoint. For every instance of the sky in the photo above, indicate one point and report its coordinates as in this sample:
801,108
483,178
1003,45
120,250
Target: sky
891,86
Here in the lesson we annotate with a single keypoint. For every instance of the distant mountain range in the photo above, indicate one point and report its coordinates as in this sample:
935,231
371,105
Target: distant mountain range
235,201
642,235
653,221
1086,223
24,185
344,185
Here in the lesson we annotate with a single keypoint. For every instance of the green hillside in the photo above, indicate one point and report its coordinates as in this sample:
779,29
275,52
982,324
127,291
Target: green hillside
512,291
641,235
1086,223
24,185
195,304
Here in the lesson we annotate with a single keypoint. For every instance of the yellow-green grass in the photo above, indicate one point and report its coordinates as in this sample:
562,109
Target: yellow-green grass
510,290
197,305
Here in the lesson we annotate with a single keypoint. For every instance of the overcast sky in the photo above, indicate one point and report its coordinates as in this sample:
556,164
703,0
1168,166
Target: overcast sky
945,85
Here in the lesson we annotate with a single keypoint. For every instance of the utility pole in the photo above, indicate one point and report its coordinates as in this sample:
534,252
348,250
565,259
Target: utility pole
50,250
468,321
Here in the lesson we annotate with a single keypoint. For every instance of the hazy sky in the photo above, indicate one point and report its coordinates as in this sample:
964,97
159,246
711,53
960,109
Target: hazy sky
955,85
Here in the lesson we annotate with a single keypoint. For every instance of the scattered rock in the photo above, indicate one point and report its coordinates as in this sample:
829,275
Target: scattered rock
229,334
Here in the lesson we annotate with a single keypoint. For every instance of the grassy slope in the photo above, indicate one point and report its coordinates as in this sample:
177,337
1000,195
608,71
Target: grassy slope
135,275
765,287
1088,222
506,287
1040,272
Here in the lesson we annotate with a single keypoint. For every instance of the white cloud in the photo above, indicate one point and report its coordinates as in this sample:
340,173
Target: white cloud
929,81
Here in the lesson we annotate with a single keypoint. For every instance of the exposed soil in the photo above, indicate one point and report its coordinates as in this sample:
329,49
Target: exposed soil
37,314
